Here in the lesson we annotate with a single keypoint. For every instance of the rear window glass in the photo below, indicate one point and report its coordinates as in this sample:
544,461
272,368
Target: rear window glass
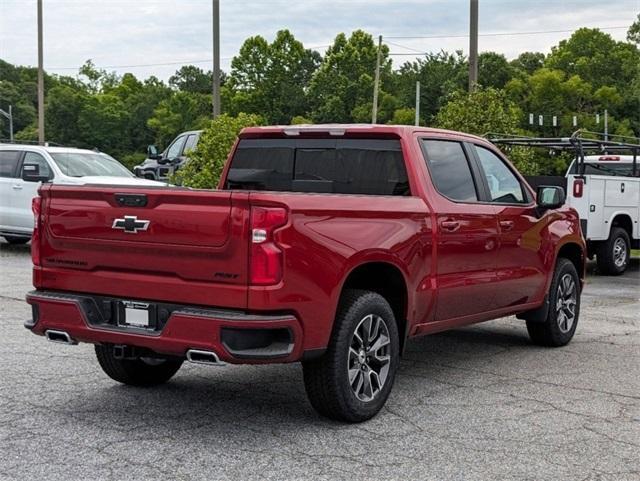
8,162
338,166
450,170
612,168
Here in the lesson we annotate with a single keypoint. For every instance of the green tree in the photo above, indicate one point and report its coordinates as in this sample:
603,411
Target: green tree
440,75
177,113
190,78
207,160
596,57
528,62
633,34
494,70
271,78
342,88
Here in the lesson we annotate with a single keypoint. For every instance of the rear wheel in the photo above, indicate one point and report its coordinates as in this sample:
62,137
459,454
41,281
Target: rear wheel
142,371
353,379
613,254
564,308
16,240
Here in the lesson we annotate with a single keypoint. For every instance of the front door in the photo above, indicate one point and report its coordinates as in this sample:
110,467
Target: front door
26,191
520,276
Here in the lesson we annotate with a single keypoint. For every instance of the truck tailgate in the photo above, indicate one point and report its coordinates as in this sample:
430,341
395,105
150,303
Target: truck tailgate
167,244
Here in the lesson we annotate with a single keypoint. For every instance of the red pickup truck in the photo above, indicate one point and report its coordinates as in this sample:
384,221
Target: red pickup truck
330,245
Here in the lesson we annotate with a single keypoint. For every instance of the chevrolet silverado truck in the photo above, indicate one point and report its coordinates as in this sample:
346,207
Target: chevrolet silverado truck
330,245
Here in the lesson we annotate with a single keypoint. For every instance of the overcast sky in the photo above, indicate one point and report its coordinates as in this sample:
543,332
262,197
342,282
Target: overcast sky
140,35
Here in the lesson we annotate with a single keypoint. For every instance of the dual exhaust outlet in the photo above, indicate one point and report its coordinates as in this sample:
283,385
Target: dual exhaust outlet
196,356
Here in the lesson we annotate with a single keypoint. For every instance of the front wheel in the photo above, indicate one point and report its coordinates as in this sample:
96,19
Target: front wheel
564,308
142,371
353,379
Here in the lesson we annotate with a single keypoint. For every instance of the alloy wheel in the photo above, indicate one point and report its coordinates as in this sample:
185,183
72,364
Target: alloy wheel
567,296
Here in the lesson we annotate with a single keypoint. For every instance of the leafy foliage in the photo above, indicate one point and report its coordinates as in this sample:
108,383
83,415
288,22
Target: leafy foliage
207,160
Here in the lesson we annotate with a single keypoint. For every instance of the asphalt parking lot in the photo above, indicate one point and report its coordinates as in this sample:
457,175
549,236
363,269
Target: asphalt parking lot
475,403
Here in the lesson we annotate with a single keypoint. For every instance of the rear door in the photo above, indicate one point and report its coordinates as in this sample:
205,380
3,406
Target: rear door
9,188
467,233
519,264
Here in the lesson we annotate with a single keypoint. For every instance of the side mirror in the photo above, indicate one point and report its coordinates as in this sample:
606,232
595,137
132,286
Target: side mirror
551,196
31,173
152,152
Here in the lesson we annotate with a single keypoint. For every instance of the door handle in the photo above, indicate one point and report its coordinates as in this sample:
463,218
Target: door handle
506,224
450,225
16,187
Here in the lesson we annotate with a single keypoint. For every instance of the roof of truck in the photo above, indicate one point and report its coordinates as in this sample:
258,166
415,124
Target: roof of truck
342,129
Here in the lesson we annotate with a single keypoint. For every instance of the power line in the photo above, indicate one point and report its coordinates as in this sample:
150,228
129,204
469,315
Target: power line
498,34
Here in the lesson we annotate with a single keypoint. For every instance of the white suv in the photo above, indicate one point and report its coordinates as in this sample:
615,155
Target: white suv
24,167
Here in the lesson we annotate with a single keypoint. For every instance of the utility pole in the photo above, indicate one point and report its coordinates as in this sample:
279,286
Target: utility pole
9,116
216,58
376,84
473,46
40,79
417,103
606,125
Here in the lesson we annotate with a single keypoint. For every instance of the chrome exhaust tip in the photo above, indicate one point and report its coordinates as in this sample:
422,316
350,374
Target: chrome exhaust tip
60,337
198,356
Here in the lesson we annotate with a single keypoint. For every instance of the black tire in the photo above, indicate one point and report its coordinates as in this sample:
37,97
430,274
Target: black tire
326,379
610,260
554,332
136,372
16,240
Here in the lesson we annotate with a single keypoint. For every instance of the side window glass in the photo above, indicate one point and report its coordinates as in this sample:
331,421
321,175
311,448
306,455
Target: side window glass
190,144
504,186
176,148
8,162
450,170
33,158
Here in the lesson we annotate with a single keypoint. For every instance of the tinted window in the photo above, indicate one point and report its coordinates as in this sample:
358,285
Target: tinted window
504,186
190,144
33,158
8,162
450,170
343,166
175,149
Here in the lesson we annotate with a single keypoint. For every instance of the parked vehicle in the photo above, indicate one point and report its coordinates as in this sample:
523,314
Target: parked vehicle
24,167
607,198
162,166
603,185
330,245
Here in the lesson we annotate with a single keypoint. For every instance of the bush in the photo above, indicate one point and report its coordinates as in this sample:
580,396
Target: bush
207,160
131,160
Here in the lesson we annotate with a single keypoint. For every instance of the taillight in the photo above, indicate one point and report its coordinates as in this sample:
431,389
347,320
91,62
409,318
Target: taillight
36,203
578,187
266,257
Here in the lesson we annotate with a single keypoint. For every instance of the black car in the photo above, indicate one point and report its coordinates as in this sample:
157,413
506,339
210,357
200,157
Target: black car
161,166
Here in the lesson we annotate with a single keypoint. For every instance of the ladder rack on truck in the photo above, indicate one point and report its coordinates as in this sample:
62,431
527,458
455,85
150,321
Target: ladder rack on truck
602,184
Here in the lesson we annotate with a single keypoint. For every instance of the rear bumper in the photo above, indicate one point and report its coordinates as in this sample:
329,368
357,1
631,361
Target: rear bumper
236,337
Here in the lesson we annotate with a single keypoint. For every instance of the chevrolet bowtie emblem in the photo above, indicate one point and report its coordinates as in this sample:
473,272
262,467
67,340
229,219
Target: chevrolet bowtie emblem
130,224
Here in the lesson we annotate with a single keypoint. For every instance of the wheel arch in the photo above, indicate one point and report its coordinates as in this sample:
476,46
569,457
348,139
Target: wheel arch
575,253
386,279
623,220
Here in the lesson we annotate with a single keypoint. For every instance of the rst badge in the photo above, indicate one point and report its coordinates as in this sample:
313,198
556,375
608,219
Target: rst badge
130,224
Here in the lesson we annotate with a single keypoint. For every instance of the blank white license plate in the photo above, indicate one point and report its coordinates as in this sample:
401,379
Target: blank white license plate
136,314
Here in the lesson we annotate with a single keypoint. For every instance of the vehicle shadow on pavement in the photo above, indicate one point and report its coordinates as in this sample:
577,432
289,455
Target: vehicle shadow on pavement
239,398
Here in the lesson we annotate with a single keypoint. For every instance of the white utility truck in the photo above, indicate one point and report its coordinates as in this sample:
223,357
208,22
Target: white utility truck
603,185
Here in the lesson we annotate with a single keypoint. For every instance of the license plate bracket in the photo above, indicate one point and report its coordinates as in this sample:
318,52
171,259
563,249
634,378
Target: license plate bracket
137,314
